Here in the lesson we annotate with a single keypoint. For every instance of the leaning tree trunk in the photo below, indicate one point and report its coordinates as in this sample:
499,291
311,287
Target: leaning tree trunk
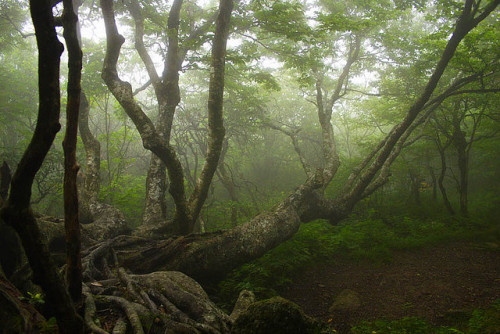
209,256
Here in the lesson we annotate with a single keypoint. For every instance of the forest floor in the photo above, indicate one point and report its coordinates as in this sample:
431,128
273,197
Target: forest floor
438,284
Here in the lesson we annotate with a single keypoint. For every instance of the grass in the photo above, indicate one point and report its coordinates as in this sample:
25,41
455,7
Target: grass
370,235
481,321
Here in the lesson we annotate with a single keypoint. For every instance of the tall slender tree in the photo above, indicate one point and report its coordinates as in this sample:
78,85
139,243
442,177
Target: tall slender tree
16,211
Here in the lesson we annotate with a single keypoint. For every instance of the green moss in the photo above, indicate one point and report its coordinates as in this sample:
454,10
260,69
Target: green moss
276,315
486,321
482,321
370,236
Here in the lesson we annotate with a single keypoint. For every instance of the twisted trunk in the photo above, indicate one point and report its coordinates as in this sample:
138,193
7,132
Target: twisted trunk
154,139
207,256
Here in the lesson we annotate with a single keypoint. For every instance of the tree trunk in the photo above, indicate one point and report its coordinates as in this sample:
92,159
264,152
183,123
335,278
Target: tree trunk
228,183
167,94
91,183
467,21
16,212
186,211
415,188
442,174
207,257
71,223
16,315
5,178
434,183
155,206
460,143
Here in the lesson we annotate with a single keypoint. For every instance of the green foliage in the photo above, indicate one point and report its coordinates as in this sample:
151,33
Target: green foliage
408,325
274,269
485,321
363,237
482,321
283,17
13,15
127,194
49,327
34,298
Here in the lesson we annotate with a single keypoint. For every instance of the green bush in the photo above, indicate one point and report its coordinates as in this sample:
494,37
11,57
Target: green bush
482,321
409,325
127,195
485,321
371,237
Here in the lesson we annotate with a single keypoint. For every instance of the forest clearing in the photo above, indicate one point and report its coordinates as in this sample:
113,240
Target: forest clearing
442,285
249,166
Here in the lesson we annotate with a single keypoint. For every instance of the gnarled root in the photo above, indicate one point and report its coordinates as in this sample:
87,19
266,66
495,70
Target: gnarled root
159,302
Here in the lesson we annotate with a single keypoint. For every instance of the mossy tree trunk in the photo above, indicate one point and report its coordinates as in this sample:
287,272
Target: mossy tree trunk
90,184
209,256
17,212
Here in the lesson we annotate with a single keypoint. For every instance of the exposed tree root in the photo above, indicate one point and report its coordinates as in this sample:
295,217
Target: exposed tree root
90,311
159,302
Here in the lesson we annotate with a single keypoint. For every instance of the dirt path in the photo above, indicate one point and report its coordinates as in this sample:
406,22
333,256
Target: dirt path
430,283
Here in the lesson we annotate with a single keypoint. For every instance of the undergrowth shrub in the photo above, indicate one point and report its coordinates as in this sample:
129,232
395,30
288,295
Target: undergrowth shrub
368,237
482,321
409,325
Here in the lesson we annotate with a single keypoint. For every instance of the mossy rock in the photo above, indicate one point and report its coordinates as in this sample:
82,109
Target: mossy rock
276,315
347,301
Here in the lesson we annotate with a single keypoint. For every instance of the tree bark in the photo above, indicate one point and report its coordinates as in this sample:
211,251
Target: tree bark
186,211
91,183
17,316
207,257
460,144
155,205
151,138
442,174
325,106
167,93
16,212
71,167
216,130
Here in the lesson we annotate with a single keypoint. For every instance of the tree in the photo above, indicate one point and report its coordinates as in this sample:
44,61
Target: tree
186,210
16,212
71,222
206,258
460,123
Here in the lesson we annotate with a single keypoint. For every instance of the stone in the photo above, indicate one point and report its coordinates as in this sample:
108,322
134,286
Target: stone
347,301
245,299
276,315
